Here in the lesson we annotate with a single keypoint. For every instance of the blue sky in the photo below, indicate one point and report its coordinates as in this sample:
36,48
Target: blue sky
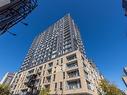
103,29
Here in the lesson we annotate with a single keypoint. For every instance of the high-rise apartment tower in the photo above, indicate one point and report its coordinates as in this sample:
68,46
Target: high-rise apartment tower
57,56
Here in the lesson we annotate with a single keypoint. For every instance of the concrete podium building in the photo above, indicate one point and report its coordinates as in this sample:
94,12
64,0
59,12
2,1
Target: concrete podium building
58,57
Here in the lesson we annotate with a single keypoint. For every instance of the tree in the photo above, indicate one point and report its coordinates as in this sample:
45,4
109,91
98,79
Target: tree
4,89
44,91
109,88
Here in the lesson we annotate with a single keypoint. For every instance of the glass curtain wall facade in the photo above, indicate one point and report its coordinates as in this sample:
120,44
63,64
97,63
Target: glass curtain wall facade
59,39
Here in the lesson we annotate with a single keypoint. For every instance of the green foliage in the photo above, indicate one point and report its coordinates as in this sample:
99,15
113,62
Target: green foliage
44,91
4,89
109,88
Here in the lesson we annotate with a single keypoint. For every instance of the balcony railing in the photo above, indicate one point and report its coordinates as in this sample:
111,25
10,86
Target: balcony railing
73,85
73,74
86,69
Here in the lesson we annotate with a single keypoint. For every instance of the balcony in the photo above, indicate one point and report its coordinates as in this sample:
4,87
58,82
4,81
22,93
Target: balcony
49,72
37,83
89,86
30,72
71,85
47,80
73,74
71,58
86,69
50,65
87,78
24,91
47,86
71,65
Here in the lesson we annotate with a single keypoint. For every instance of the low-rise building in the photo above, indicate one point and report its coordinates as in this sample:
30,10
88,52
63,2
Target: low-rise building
8,78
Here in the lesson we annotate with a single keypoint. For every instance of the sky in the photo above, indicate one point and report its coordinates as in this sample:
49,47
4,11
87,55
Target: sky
103,29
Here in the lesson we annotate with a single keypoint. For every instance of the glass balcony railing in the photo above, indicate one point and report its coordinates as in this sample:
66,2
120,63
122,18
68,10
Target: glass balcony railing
86,69
71,57
73,84
73,74
69,66
72,64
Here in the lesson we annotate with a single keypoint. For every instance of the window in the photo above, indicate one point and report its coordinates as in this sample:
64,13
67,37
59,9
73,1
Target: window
61,86
44,80
55,86
40,68
74,84
82,58
50,64
31,71
45,66
48,79
86,75
43,73
61,60
49,71
53,56
72,74
55,71
63,75
47,86
54,77
72,64
71,57
88,85
57,62
84,65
